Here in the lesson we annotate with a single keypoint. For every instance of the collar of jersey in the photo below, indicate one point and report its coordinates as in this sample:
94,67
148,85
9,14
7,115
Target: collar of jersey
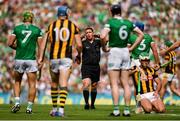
118,17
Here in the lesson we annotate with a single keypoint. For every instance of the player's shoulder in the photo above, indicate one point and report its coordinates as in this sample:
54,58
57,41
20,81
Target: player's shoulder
147,36
35,27
19,25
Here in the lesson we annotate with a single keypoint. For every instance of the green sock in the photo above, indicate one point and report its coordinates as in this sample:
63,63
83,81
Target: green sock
116,107
126,107
29,105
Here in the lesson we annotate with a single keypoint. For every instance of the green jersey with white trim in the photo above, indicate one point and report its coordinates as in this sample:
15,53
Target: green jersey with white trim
120,30
144,46
26,36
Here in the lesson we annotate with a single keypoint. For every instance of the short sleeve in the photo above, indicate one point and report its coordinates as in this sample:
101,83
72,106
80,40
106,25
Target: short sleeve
133,25
40,33
76,30
14,31
155,75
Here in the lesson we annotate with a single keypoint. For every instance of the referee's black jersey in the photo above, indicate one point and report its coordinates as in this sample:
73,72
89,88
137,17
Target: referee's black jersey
91,52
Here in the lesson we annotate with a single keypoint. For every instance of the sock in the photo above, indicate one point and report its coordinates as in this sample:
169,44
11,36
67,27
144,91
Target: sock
17,100
63,95
93,96
126,107
54,97
116,110
86,96
55,109
61,110
29,105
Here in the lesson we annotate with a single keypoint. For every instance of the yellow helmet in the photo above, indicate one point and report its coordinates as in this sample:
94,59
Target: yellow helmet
28,16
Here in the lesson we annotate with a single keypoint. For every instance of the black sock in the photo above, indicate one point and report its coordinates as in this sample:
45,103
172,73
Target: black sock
93,96
86,96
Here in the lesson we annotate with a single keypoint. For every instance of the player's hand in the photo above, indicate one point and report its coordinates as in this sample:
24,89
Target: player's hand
130,49
106,49
40,64
157,67
138,97
156,94
97,35
78,59
162,52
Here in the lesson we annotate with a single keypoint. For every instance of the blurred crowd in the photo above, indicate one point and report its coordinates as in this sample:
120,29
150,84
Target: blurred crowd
161,19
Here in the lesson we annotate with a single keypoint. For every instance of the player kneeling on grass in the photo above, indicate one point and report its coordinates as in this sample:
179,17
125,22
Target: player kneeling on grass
144,77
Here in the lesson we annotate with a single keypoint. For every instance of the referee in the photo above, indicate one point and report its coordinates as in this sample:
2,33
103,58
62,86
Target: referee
90,66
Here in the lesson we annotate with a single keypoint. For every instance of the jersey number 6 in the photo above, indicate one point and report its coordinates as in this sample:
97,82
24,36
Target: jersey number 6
123,33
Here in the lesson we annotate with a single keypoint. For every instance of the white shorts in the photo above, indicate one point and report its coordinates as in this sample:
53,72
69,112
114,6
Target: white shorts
59,64
170,77
118,58
149,96
25,66
135,62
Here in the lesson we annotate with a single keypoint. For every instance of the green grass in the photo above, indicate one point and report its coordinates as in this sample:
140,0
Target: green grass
75,112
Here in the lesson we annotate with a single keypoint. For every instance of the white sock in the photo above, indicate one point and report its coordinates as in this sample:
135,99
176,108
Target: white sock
17,100
61,110
54,109
116,112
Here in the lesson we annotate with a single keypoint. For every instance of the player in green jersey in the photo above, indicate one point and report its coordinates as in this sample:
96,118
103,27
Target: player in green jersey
119,30
24,39
145,46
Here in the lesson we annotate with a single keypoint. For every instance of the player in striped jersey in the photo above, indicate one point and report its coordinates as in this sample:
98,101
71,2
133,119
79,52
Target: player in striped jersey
169,75
61,34
146,94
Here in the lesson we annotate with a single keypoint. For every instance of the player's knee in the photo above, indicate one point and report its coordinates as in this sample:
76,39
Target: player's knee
161,109
85,84
63,88
147,109
32,86
94,87
54,84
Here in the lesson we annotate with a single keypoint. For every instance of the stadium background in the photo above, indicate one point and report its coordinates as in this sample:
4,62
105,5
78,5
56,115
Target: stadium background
161,17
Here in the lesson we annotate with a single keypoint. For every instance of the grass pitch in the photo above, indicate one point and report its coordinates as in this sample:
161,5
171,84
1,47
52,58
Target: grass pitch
77,112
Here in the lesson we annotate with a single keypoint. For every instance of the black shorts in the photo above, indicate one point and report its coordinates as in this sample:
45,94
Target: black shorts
92,72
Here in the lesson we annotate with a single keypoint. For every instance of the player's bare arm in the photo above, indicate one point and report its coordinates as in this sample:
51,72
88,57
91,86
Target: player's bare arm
139,38
174,46
104,39
12,41
155,53
158,87
78,47
40,52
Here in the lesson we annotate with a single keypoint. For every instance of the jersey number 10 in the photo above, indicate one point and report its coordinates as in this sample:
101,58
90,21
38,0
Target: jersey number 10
59,34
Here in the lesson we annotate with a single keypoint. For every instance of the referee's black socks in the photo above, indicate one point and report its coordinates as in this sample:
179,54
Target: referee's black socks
93,97
86,96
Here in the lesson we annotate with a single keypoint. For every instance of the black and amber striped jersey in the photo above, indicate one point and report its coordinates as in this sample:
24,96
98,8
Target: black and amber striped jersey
61,35
146,81
171,67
